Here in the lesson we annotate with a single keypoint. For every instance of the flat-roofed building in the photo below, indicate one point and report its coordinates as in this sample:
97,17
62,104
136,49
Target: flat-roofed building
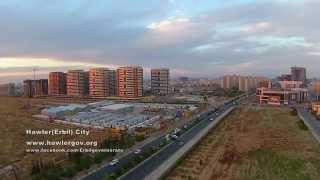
315,108
57,83
77,83
290,84
160,81
230,81
27,88
35,88
112,82
130,82
265,84
99,82
316,88
281,96
8,89
40,87
299,74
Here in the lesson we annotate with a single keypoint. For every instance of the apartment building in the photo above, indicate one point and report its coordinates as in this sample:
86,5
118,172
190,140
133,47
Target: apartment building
35,88
299,74
130,82
265,84
160,81
99,82
243,83
230,81
77,83
316,89
112,82
57,83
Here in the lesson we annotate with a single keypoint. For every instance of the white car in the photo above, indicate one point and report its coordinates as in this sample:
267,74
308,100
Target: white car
211,119
137,151
174,136
113,162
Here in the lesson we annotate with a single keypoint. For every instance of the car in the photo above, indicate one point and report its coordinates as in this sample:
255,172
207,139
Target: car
217,114
113,162
137,151
174,137
211,119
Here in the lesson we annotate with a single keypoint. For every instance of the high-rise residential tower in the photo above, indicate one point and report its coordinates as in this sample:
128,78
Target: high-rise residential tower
99,82
299,74
77,83
129,82
112,82
35,88
160,81
57,83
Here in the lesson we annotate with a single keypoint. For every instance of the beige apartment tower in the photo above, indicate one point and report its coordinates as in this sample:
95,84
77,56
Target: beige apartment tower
129,82
77,83
160,81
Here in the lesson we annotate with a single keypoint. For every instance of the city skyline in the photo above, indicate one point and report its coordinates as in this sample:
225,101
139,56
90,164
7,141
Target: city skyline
192,38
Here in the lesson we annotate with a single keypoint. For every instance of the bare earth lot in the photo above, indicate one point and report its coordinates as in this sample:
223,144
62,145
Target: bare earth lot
15,118
254,143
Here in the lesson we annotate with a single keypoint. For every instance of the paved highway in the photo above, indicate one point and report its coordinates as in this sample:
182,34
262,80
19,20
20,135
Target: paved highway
142,170
150,165
311,120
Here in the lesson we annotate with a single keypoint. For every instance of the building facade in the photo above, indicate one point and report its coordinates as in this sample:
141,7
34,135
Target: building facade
242,83
8,89
299,74
281,96
112,82
290,84
230,81
130,82
77,83
35,88
160,81
57,83
99,82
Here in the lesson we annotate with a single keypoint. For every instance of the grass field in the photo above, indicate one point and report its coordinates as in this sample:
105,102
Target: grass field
254,143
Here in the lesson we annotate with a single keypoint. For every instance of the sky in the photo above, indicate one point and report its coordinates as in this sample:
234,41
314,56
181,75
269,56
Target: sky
195,38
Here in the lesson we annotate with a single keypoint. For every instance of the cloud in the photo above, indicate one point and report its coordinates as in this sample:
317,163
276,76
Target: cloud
191,37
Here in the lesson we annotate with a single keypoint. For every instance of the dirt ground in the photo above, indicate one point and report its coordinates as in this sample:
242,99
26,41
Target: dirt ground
254,143
15,118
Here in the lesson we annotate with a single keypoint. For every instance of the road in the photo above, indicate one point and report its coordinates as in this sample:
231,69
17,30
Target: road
151,164
310,119
143,169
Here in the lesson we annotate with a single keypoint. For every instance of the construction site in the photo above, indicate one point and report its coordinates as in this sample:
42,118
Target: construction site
254,142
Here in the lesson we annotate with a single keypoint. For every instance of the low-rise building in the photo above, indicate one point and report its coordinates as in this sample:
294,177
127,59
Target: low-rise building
290,84
281,96
315,108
